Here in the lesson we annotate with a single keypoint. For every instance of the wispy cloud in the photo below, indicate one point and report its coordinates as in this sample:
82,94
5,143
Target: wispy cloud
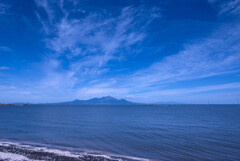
218,93
208,58
226,8
5,49
90,42
95,91
82,48
98,35
3,8
217,54
44,5
200,89
4,68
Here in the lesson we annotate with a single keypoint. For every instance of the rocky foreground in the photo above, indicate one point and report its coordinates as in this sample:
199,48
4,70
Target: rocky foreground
14,152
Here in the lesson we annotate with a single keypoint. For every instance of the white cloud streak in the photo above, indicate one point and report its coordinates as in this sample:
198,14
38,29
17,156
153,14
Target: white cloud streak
4,49
217,54
4,68
89,43
3,8
227,7
200,89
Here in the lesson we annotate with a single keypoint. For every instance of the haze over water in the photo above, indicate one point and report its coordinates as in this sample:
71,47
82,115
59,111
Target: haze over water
173,132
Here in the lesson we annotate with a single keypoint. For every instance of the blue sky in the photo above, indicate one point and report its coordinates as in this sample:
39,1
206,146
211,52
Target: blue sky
184,51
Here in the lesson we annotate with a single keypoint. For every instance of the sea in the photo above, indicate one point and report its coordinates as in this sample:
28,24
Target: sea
120,132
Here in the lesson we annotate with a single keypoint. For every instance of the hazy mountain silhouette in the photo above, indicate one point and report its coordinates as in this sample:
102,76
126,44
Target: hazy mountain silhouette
102,100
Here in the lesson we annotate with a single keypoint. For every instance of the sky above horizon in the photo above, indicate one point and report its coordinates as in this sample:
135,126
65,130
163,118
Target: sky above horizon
147,51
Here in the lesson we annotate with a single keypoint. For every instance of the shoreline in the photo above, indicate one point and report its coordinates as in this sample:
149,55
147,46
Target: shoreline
28,151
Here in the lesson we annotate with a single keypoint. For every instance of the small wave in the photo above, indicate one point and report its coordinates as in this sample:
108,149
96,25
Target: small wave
11,151
12,156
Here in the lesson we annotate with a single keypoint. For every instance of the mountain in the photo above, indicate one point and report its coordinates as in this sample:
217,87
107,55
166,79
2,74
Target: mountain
99,101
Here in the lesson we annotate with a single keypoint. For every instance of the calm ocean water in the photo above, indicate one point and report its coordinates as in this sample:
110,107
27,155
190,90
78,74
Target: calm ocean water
183,132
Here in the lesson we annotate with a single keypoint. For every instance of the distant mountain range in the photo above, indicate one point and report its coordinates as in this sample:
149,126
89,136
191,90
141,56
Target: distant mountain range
99,101
107,100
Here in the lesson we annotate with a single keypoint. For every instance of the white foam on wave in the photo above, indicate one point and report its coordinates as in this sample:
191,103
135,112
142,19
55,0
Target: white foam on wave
63,153
12,157
8,144
41,149
59,152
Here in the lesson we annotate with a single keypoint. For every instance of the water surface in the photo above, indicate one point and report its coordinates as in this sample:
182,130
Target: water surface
174,132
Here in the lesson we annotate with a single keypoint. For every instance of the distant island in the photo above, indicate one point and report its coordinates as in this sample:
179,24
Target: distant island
107,100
